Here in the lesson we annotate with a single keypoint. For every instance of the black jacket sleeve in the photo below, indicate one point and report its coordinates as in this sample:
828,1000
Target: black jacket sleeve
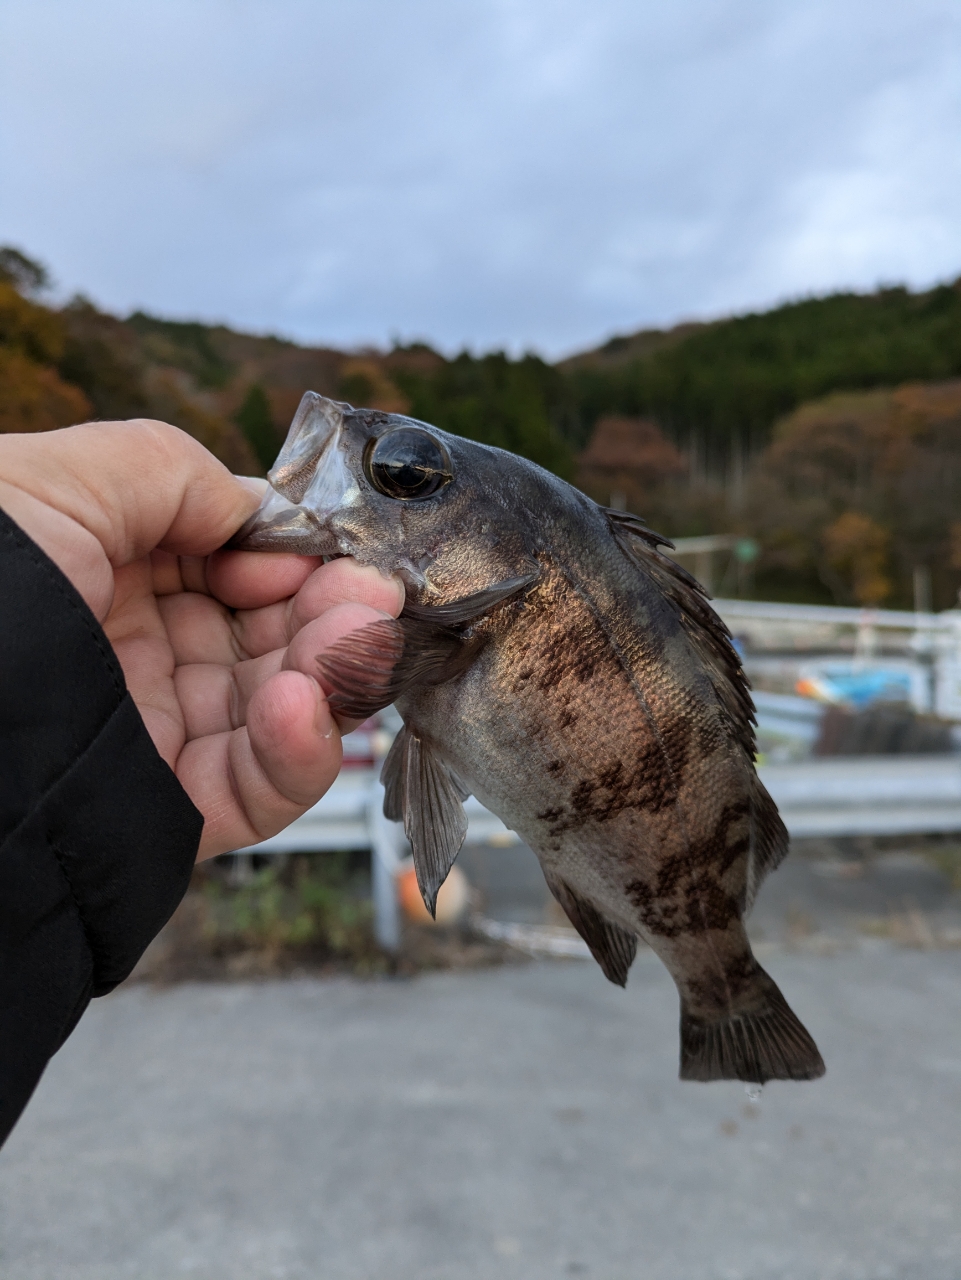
97,836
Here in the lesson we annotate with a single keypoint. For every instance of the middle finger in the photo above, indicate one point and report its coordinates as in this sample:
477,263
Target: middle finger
340,582
214,696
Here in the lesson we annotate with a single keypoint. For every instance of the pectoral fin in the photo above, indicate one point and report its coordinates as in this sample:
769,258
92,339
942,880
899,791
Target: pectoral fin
611,946
423,791
426,645
370,668
474,607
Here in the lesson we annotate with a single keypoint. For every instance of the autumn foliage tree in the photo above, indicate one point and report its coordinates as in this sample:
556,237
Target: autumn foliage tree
33,396
856,558
629,456
858,490
629,462
58,367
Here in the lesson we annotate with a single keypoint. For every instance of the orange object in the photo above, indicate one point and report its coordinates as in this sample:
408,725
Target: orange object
452,900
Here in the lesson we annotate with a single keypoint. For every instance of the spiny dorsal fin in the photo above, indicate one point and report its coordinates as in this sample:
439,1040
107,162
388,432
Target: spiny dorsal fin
423,791
712,642
611,946
704,628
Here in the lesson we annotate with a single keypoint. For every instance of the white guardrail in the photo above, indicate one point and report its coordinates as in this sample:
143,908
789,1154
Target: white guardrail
351,816
930,643
835,796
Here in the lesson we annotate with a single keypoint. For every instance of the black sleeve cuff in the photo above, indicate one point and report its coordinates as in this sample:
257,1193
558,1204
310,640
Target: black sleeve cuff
97,836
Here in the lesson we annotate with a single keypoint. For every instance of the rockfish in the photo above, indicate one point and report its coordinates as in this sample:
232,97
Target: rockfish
554,662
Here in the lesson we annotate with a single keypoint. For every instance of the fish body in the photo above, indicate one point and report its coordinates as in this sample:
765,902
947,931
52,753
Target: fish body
555,663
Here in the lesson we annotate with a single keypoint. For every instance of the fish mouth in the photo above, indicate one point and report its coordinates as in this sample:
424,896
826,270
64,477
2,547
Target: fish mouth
281,525
317,425
310,484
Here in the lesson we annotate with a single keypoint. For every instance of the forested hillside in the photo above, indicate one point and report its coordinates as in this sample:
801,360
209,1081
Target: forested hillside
829,429
724,385
714,389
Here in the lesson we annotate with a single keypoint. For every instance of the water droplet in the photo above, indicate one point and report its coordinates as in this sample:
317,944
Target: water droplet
753,1092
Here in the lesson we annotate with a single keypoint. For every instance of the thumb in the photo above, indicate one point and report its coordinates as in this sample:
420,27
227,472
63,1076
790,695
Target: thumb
133,485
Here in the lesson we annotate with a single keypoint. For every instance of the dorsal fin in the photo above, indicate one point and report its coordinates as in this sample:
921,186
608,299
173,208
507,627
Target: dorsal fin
711,641
703,627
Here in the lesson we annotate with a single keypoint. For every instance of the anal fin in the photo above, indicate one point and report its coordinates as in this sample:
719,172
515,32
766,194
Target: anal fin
421,789
611,946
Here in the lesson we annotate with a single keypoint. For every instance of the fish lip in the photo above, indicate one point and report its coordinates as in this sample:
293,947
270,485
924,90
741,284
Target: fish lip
309,488
317,423
278,519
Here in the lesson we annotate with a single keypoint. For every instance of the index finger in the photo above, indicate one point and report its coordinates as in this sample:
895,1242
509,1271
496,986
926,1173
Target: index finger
252,579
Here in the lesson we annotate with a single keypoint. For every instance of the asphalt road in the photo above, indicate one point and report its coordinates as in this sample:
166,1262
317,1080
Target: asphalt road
522,1123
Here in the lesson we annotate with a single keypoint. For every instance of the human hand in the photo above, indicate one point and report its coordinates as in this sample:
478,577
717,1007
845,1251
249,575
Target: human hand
218,648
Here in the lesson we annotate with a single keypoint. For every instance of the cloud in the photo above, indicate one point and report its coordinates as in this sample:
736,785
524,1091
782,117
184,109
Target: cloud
528,173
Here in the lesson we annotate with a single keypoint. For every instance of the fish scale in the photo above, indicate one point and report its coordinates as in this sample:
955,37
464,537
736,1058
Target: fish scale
552,661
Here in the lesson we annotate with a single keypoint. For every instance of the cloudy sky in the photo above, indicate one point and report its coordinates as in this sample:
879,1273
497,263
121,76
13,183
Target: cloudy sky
519,173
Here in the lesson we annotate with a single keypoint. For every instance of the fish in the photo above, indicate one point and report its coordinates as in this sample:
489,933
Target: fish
553,661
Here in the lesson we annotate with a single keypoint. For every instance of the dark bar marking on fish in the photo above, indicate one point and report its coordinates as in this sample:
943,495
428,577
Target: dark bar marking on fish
611,946
647,782
712,642
756,1045
675,903
428,796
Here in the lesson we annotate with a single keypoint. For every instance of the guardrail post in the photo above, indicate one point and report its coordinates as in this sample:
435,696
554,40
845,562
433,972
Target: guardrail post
385,840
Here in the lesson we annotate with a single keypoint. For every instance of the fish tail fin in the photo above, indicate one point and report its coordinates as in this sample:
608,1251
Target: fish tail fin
762,1040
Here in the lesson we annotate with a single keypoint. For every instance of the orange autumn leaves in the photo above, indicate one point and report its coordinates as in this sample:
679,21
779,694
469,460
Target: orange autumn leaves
33,396
854,494
856,552
860,488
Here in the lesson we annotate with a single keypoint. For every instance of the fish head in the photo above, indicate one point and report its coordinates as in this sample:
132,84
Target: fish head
448,515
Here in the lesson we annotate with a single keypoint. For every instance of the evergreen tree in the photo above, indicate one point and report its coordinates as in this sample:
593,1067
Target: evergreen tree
256,422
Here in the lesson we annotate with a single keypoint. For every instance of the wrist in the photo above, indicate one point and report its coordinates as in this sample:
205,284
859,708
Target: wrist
73,549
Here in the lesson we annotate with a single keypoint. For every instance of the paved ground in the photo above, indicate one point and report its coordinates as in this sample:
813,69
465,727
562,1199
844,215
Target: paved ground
522,1123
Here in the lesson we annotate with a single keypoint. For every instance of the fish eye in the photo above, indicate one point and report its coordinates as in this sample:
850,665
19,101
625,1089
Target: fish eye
407,463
